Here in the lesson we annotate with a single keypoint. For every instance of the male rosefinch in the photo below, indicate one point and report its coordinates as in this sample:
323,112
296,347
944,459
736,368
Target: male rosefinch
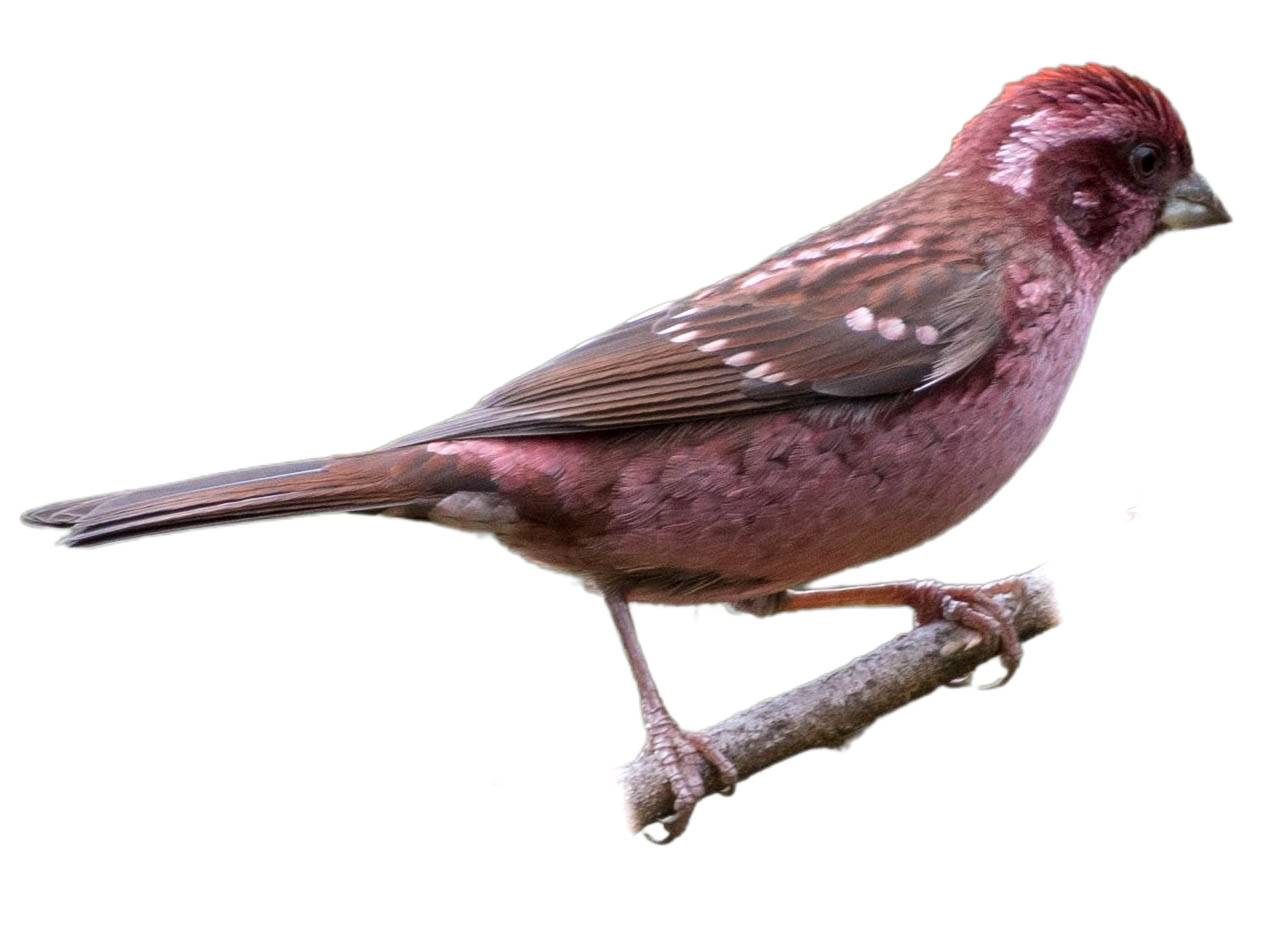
851,396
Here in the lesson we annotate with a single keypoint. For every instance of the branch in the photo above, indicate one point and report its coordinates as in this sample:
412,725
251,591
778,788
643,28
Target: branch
837,706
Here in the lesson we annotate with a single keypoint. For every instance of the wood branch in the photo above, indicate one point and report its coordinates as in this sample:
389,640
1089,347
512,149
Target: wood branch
837,706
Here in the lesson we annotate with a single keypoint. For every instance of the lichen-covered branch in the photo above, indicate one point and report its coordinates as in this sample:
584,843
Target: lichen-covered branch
831,709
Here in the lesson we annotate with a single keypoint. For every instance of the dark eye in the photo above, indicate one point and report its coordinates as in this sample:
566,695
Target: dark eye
1145,161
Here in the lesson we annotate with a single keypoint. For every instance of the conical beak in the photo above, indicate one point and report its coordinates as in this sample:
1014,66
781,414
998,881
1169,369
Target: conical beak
1192,203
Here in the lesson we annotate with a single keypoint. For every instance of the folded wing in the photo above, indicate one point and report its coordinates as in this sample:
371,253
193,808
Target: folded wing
854,311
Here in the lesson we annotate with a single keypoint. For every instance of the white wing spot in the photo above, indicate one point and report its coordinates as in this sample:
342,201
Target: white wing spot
863,239
755,279
759,370
927,334
860,319
740,359
715,345
894,249
891,328
671,329
686,336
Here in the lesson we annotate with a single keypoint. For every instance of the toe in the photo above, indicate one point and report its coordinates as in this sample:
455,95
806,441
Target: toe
727,773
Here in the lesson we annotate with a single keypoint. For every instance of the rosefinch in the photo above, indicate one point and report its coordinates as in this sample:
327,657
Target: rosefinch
851,396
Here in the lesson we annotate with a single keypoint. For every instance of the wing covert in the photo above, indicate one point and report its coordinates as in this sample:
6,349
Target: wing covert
836,316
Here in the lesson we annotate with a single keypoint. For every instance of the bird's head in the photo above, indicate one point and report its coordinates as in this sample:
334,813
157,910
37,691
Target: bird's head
1099,154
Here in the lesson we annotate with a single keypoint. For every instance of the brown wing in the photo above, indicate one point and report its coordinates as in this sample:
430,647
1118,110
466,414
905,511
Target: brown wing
851,312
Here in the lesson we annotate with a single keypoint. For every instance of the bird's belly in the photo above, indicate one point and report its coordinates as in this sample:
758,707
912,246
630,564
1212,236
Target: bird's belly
747,521
764,503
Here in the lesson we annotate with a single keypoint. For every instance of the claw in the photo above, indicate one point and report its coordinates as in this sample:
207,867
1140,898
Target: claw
672,828
664,839
1010,664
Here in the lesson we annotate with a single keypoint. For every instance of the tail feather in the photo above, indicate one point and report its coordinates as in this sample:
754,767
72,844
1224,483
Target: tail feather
356,483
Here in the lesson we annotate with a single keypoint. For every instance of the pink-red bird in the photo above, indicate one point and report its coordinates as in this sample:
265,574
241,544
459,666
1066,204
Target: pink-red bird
853,395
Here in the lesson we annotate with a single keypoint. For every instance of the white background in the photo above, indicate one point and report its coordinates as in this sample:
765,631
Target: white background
239,233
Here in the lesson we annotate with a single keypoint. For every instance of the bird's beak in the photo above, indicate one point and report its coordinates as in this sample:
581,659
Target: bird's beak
1192,203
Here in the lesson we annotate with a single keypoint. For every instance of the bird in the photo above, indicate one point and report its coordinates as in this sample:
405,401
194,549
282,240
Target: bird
851,396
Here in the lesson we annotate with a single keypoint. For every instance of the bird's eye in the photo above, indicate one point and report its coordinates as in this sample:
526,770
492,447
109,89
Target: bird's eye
1145,161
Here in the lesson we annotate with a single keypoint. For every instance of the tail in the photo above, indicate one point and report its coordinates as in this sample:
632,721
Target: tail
357,483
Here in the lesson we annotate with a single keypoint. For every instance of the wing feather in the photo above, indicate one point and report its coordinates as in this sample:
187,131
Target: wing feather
851,312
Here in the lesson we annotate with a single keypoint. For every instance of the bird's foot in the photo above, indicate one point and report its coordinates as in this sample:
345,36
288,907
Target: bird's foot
977,609
684,756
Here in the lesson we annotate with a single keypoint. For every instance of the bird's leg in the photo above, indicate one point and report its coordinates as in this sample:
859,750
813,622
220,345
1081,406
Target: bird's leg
975,607
681,753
